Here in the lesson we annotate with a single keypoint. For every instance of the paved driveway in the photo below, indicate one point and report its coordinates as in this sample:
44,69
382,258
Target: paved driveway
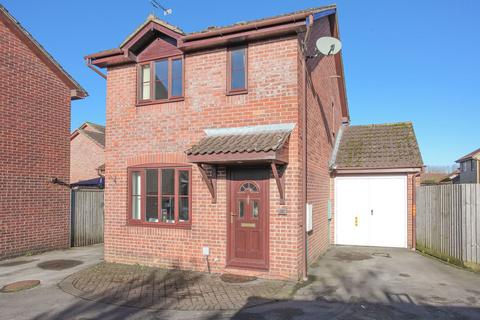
379,283
346,283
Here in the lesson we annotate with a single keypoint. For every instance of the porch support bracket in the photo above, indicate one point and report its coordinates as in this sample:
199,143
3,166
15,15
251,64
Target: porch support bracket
280,182
210,181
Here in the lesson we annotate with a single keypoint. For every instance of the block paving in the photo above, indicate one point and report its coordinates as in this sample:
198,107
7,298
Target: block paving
155,288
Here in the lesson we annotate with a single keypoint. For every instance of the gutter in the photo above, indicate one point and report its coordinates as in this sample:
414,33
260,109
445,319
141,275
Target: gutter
309,22
299,17
91,66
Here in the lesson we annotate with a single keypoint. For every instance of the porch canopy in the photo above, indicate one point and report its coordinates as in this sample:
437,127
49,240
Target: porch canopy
254,144
263,144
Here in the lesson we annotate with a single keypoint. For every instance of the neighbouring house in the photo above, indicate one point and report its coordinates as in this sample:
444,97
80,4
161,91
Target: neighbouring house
432,178
35,96
453,177
375,169
469,167
219,144
87,161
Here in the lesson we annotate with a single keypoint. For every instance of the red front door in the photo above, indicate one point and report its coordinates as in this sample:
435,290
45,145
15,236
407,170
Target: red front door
248,218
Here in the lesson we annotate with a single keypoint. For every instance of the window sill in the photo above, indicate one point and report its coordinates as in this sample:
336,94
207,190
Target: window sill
186,226
151,102
237,92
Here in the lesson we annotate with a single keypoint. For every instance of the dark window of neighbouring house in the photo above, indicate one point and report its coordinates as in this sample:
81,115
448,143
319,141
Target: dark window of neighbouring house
161,80
160,196
237,70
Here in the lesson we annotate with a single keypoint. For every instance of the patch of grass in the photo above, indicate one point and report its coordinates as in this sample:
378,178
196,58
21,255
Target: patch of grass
448,259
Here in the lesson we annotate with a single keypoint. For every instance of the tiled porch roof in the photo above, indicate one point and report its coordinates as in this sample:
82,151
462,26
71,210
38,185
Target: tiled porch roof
255,139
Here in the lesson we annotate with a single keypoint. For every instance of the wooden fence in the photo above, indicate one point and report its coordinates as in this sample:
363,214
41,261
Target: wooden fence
87,217
448,222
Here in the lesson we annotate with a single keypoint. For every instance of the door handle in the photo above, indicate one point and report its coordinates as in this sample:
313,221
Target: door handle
371,212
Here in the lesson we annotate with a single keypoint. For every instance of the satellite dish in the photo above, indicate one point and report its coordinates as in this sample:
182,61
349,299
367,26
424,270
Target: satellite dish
328,46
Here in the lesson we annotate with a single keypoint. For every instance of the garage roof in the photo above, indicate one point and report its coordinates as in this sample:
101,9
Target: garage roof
392,145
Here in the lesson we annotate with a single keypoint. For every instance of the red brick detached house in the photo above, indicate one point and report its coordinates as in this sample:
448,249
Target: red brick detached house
35,95
217,141
87,159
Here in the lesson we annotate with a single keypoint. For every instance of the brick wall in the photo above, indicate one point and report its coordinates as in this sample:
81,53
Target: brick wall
34,144
411,183
161,133
85,157
323,121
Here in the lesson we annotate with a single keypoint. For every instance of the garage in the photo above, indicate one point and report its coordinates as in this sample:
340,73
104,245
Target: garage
374,169
371,210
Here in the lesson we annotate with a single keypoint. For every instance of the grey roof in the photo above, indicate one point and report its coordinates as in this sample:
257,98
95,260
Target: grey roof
97,137
153,18
98,127
309,10
243,139
469,156
378,146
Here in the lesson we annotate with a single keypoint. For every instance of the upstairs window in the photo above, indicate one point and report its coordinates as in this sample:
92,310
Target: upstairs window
145,82
237,70
161,80
160,196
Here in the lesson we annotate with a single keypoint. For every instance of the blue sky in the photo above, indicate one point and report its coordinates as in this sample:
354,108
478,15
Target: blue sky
404,60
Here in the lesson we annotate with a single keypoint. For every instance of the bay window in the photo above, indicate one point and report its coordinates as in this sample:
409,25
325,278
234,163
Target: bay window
160,195
161,80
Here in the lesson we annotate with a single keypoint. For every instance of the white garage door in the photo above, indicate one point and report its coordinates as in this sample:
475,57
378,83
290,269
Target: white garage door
371,210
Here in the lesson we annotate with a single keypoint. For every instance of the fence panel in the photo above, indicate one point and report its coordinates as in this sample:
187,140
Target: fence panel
87,217
448,222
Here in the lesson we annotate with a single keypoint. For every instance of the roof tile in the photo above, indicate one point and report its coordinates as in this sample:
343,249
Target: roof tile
236,143
378,146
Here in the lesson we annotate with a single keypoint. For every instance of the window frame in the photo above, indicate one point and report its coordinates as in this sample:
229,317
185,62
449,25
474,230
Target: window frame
231,91
142,221
152,99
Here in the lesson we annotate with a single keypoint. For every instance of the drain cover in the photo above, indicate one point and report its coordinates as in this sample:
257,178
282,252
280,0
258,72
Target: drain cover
381,254
20,285
352,256
234,278
58,264
15,263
